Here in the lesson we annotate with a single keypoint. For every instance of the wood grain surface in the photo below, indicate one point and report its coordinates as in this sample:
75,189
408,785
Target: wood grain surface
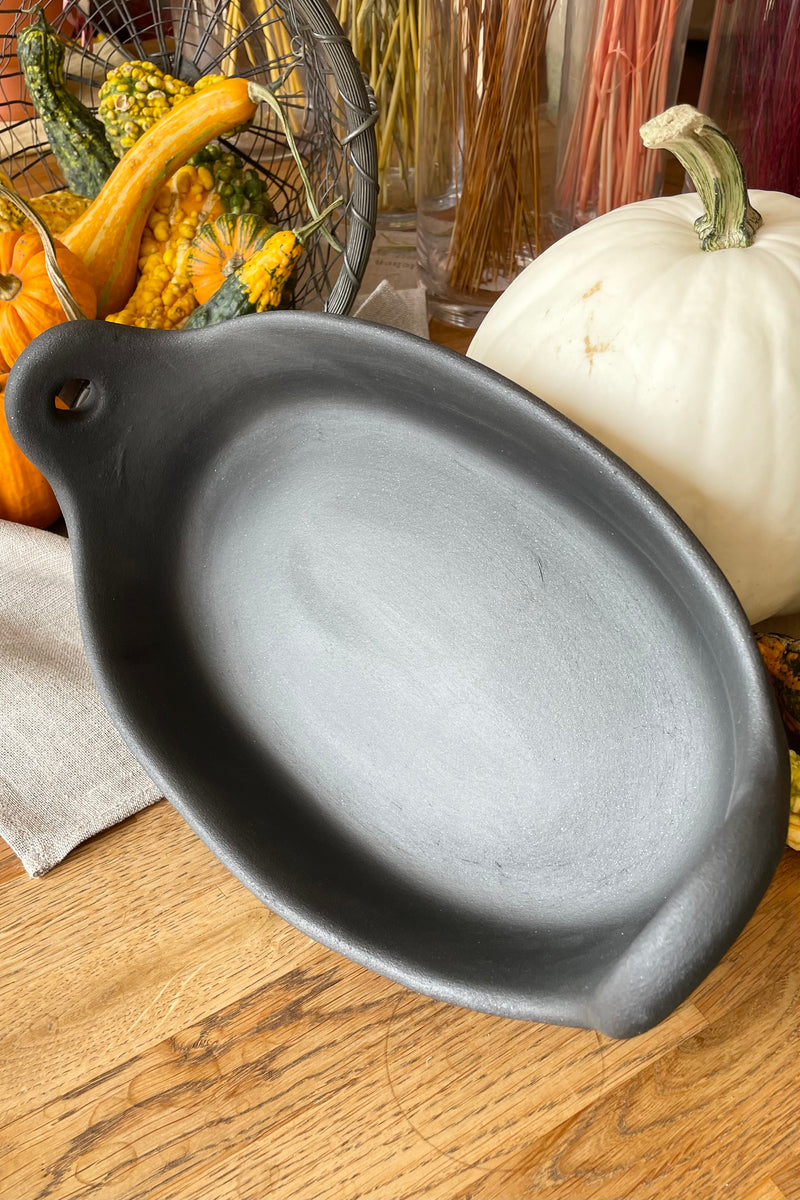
164,1035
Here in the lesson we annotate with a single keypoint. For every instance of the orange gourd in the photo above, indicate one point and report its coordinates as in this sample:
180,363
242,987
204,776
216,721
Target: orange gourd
221,247
25,494
781,656
29,304
106,237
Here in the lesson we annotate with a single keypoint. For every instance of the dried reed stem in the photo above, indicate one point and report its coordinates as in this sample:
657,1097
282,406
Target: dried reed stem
625,84
751,87
495,131
245,24
384,35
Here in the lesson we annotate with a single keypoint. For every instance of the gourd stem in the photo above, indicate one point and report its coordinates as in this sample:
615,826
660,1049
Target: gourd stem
258,93
710,158
65,297
304,234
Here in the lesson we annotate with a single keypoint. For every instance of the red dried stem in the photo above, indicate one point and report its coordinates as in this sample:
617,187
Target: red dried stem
625,83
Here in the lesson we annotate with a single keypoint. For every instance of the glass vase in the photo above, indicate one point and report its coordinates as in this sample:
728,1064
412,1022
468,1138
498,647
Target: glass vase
622,65
384,35
751,87
485,150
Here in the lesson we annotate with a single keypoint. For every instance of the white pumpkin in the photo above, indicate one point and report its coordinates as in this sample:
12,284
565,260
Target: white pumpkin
684,361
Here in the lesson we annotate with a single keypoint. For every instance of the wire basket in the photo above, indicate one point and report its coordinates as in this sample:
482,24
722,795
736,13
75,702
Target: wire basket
295,47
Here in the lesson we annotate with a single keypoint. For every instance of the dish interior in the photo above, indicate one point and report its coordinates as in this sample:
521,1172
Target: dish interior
472,686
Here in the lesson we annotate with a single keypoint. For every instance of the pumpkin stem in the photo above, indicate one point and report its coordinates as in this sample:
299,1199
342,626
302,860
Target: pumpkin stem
9,286
60,287
710,158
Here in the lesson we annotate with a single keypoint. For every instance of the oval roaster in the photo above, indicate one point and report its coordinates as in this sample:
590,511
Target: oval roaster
439,678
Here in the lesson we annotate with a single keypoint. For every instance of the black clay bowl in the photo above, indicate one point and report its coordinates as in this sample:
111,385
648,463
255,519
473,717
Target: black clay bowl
436,676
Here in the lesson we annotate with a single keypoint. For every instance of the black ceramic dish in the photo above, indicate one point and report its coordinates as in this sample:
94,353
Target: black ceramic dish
436,676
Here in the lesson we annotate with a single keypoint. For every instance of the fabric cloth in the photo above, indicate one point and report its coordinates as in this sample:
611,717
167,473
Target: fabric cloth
65,773
406,309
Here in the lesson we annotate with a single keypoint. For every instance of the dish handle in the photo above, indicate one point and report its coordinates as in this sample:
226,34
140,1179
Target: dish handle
699,922
65,396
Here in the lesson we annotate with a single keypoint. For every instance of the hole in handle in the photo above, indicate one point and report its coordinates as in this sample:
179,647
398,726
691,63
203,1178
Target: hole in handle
74,394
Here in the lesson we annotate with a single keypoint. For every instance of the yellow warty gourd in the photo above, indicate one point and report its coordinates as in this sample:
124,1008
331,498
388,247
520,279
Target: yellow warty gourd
164,296
133,97
57,209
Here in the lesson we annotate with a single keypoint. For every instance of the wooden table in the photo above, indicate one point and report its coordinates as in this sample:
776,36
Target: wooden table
164,1035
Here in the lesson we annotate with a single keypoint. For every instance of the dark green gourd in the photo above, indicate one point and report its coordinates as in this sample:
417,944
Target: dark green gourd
77,138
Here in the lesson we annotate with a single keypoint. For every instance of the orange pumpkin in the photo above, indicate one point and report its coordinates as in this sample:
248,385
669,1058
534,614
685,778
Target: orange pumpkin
28,301
25,494
29,305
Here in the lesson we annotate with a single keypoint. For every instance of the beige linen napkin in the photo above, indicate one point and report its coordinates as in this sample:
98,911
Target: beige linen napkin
65,773
405,309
